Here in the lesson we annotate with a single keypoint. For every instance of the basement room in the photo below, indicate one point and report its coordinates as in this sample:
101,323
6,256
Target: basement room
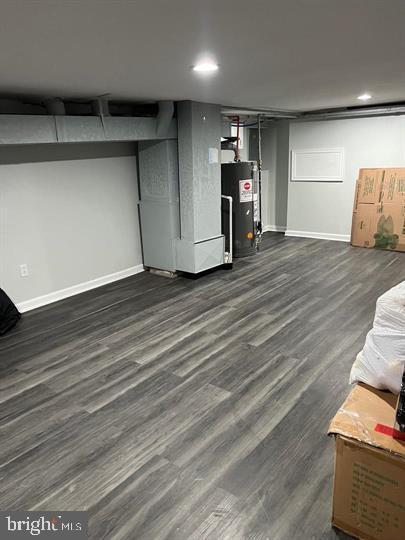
202,269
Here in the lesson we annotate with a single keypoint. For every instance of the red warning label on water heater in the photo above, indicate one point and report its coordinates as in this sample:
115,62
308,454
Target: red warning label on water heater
245,191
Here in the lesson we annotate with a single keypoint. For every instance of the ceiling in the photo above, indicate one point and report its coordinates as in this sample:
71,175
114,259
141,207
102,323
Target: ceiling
286,54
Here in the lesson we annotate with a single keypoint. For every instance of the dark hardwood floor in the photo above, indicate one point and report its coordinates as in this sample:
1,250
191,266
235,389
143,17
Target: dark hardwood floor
189,409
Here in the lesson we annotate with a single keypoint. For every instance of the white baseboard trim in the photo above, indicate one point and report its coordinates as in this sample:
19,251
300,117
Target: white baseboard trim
40,301
274,228
319,236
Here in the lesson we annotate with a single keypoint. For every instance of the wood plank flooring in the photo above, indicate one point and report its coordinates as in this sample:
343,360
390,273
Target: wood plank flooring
191,409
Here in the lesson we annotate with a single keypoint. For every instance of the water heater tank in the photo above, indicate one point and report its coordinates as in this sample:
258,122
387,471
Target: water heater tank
238,181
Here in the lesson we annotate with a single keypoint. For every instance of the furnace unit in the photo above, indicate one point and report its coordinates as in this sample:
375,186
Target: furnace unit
239,182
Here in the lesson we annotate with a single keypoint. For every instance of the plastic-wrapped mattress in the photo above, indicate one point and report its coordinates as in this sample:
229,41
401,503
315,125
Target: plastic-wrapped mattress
382,360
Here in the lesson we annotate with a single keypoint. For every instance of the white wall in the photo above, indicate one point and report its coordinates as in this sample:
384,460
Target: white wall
70,213
325,209
228,155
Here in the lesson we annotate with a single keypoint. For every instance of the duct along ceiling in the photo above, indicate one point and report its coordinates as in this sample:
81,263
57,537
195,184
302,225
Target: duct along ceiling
287,54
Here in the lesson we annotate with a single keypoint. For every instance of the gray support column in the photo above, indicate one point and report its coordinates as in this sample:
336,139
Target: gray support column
201,245
159,205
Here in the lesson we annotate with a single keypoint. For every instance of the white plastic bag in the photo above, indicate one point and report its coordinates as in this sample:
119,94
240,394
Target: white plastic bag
382,360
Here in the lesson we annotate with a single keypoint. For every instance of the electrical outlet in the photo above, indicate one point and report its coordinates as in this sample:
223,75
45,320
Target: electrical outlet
24,270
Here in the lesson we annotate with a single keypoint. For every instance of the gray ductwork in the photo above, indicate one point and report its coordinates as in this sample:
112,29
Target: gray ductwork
180,204
201,245
355,112
159,204
26,129
164,117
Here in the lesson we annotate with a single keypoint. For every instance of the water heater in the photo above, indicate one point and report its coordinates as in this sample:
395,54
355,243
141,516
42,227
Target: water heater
239,182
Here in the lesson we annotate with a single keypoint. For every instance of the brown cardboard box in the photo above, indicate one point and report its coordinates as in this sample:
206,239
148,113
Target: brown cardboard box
379,209
363,225
369,185
369,487
389,229
393,185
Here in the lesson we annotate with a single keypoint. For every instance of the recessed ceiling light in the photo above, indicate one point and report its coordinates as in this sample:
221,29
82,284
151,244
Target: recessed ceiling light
364,97
205,67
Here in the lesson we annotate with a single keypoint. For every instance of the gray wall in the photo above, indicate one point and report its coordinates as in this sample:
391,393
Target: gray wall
274,174
326,208
69,212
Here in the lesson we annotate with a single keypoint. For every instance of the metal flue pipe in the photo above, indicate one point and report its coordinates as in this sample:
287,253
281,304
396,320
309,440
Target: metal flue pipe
259,168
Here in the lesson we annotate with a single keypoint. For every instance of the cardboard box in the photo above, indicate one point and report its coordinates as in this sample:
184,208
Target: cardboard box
369,185
363,225
393,186
389,229
369,486
379,209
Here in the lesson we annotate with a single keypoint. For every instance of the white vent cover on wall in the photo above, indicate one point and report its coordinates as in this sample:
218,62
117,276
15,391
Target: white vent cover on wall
317,165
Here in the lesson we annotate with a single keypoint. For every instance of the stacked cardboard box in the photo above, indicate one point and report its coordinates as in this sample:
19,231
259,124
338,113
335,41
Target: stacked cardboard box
369,486
379,209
